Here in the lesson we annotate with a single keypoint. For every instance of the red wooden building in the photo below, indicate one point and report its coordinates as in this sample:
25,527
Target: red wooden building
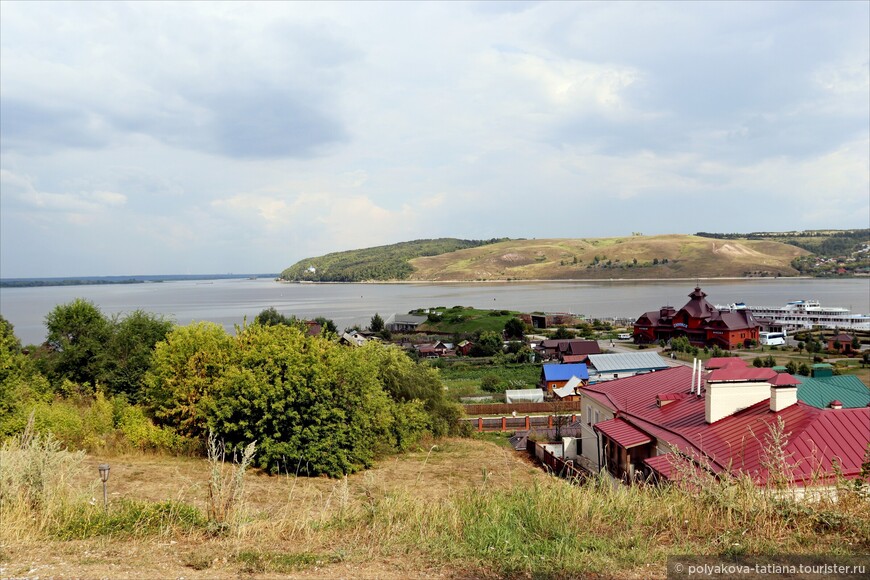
700,322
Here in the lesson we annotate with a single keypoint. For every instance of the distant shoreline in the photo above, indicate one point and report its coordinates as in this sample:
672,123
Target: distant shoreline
573,280
136,279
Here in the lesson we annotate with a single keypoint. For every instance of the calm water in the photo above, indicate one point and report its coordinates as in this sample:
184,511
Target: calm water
227,302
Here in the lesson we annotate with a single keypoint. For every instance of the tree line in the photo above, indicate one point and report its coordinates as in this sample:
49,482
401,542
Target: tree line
312,405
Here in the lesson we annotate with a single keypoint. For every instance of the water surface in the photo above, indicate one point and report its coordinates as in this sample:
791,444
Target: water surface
228,302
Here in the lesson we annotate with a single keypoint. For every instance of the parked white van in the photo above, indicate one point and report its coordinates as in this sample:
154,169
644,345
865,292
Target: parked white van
623,336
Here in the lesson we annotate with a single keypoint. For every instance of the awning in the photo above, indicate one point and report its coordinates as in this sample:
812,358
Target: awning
624,434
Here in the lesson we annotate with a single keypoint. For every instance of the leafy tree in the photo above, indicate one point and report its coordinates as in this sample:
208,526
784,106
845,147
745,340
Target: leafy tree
20,381
309,403
856,343
680,344
127,356
865,358
514,328
405,381
769,361
377,323
757,362
804,370
271,317
77,335
487,344
327,324
184,370
8,340
563,333
791,367
800,346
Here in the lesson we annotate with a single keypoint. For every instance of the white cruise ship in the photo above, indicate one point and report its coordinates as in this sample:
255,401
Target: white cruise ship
803,314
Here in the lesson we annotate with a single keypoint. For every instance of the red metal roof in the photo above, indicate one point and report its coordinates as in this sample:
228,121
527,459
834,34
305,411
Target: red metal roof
783,380
717,362
672,396
739,442
736,373
623,433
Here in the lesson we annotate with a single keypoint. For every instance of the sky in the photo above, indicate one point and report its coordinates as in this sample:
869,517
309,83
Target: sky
191,138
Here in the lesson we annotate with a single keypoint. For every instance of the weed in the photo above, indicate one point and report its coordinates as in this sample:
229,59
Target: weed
225,498
130,518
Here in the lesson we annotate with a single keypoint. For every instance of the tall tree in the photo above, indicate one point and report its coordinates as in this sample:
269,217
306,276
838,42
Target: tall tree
181,381
377,323
514,328
77,335
127,356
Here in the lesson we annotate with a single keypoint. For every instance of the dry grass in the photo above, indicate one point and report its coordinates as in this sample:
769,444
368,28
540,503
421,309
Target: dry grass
316,520
452,508
553,259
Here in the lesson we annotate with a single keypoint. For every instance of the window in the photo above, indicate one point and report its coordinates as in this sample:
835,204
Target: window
596,415
588,414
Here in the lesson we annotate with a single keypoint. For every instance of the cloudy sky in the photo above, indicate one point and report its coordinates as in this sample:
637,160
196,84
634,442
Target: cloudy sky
153,138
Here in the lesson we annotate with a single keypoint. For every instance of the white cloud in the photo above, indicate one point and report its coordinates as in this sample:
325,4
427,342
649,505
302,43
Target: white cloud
234,137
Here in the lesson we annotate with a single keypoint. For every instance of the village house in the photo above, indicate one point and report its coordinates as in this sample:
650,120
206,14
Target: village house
721,420
554,376
700,322
404,322
567,350
607,367
841,343
824,389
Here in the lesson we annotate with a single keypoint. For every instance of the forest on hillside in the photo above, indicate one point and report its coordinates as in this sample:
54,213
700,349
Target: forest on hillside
379,263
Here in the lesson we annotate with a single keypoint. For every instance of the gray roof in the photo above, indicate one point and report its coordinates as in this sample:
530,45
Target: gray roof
629,361
407,319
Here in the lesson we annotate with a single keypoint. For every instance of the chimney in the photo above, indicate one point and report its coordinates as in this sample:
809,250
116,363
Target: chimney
782,397
726,397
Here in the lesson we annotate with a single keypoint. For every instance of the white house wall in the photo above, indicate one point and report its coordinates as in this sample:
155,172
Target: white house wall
590,444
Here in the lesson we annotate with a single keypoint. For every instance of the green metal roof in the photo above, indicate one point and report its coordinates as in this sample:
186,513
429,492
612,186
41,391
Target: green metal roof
820,391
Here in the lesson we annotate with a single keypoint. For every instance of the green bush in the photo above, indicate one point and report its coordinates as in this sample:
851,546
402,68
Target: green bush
490,383
100,424
306,401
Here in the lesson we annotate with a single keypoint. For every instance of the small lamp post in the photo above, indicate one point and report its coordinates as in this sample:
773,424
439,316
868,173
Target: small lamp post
104,477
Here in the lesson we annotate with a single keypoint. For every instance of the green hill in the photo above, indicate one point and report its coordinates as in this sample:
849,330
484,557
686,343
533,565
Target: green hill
390,262
632,257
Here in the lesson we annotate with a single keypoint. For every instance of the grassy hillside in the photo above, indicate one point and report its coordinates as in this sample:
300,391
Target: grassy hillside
452,508
378,263
666,256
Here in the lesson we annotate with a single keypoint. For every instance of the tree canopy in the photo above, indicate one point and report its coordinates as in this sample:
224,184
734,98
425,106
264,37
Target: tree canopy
312,405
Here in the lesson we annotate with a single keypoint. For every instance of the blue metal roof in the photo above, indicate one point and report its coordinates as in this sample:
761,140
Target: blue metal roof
557,372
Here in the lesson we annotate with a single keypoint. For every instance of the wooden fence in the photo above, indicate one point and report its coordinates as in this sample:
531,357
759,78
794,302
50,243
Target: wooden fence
489,424
556,465
508,408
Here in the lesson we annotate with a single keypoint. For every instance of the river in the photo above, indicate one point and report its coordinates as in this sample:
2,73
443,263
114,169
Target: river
228,302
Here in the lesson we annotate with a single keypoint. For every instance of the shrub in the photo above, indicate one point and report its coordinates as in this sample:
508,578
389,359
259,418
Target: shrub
490,383
35,474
